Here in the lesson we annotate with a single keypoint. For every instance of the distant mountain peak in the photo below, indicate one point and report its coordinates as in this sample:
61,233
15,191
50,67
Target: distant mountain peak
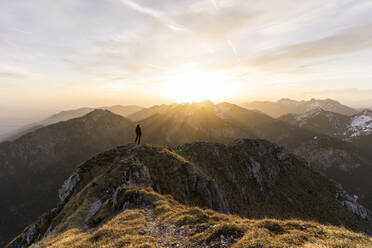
100,114
287,106
206,102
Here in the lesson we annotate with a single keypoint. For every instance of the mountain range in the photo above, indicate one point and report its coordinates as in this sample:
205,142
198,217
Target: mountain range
36,164
334,124
356,129
71,114
288,106
155,196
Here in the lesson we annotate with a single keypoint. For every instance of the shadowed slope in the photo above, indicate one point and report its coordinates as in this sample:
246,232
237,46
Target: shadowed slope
34,166
251,178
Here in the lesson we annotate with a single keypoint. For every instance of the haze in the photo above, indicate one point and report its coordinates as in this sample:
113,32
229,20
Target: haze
59,55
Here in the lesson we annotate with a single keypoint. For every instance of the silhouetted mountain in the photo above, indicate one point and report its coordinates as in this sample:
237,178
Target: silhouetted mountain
147,112
71,114
288,106
111,199
33,166
174,125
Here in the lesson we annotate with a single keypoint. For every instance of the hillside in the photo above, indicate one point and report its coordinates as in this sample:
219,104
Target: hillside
321,121
356,129
288,106
35,165
135,196
71,114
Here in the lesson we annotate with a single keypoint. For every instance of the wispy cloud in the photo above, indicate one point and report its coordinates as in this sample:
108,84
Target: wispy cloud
214,3
233,48
10,72
345,41
160,16
157,67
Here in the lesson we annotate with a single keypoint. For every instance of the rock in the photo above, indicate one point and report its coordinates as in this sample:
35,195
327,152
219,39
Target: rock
350,202
283,154
94,208
30,234
68,186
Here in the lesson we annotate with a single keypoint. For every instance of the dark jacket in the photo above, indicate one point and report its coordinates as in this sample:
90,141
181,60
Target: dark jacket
138,130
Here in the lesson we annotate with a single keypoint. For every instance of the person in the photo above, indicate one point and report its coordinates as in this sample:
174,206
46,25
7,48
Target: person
138,134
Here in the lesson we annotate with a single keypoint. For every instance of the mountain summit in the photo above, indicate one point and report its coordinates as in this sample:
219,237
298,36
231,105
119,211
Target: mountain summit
156,195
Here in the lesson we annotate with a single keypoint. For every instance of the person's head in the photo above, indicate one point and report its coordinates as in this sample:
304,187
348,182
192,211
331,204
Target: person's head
138,125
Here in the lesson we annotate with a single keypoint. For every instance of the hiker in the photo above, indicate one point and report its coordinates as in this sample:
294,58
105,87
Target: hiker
138,134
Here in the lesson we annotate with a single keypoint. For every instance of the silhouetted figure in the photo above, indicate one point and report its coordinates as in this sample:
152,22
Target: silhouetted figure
138,134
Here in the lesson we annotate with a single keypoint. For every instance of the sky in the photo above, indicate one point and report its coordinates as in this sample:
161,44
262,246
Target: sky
58,55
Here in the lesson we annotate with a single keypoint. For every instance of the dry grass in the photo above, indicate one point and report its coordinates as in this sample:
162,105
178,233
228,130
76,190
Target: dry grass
204,228
121,231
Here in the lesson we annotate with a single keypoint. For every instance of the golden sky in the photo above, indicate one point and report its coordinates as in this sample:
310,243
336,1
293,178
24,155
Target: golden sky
65,54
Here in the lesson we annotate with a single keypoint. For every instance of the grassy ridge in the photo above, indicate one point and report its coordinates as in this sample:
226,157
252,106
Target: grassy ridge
199,228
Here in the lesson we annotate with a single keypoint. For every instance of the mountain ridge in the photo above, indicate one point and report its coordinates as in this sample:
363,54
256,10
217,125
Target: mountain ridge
104,185
68,115
333,124
287,106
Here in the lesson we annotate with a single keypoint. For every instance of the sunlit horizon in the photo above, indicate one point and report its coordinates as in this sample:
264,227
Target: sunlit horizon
78,53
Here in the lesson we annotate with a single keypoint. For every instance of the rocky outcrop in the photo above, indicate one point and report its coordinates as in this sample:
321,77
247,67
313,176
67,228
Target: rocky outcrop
351,203
68,186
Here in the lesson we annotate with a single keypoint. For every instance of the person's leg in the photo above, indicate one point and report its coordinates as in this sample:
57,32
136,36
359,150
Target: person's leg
139,139
136,139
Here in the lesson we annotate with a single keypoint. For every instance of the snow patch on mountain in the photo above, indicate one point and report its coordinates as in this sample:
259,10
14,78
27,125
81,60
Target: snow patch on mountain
308,115
361,124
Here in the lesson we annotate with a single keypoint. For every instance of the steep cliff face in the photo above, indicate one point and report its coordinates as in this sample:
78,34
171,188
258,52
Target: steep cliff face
251,178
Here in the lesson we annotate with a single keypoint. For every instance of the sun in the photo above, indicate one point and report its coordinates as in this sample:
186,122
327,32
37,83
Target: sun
195,86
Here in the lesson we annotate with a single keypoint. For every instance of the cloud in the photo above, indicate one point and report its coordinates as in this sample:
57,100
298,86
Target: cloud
213,25
346,41
233,48
4,43
215,5
346,91
10,72
160,16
